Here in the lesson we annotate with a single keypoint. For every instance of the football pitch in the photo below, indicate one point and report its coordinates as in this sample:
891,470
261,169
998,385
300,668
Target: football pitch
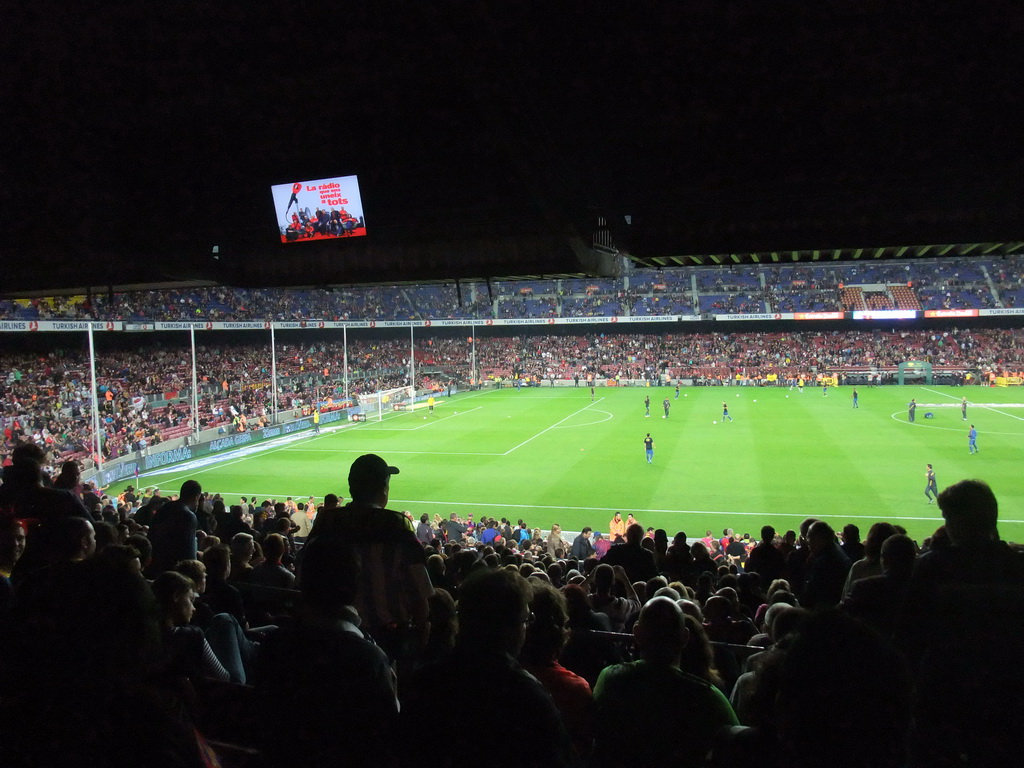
551,455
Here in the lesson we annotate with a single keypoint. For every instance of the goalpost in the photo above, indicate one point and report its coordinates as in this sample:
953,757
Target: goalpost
373,405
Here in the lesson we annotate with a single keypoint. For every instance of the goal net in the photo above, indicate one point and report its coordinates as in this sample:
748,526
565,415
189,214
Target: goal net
375,404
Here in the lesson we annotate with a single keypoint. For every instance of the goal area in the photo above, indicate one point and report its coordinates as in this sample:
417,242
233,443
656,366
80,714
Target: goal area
373,405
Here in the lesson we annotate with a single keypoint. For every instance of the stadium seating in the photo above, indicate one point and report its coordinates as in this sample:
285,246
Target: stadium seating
852,298
949,283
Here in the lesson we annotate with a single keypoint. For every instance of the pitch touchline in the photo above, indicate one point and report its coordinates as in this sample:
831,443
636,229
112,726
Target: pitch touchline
986,407
659,511
396,502
548,429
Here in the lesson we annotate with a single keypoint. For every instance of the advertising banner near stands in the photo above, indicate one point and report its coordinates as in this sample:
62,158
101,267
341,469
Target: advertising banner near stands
235,440
464,323
242,325
263,325
951,313
818,315
761,316
177,326
526,321
331,416
315,325
208,325
227,442
45,326
884,314
114,473
166,458
582,320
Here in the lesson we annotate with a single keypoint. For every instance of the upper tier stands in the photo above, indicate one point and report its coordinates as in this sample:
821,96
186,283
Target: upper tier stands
955,283
150,391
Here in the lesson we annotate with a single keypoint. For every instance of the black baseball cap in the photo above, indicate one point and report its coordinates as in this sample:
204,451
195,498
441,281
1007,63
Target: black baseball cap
369,472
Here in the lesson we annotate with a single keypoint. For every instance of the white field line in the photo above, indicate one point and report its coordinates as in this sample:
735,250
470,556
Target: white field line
295,442
364,449
538,397
548,429
901,417
611,510
976,405
391,415
443,418
300,444
607,417
459,396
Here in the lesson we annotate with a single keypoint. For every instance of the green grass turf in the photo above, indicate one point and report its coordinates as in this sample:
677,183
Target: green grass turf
550,455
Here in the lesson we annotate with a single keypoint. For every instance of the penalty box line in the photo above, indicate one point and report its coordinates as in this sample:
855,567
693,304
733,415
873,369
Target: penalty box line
985,407
299,446
548,429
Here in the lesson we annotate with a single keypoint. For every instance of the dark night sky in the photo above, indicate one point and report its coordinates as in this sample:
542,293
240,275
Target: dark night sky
136,135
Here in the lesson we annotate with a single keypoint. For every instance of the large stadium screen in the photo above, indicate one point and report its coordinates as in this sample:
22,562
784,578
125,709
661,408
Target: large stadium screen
321,209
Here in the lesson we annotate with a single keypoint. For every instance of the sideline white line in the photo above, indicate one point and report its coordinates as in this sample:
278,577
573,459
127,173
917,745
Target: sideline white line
606,510
985,407
661,511
548,429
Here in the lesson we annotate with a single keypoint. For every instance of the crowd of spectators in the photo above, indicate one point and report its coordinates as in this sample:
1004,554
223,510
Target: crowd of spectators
956,283
733,303
198,615
721,356
145,397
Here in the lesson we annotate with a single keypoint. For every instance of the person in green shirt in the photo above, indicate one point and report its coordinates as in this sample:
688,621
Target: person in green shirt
673,716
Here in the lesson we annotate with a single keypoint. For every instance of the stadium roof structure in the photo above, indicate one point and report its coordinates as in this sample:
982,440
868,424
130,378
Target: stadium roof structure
832,254
496,139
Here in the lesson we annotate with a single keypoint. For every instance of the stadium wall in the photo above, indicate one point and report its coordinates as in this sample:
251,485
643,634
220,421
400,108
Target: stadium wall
139,464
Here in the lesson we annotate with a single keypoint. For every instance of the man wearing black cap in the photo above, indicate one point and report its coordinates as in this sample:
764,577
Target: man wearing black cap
394,585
